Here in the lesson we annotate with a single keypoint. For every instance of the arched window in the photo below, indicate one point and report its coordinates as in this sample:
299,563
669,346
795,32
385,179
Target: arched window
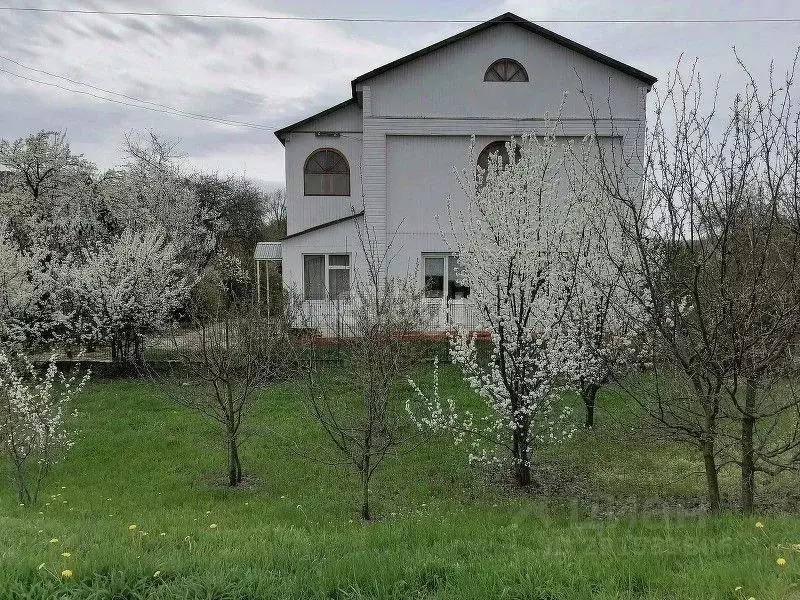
500,148
326,173
495,148
505,69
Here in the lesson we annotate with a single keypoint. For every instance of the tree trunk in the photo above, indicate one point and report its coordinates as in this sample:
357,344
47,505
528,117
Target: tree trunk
234,464
589,396
522,469
748,454
712,478
366,513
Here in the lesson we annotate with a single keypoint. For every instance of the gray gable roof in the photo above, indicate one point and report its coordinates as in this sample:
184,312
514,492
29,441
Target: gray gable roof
525,24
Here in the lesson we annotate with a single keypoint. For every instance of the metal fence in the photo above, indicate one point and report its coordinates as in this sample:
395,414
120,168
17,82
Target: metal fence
335,318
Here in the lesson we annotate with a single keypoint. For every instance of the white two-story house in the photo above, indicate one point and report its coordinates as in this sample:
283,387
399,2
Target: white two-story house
384,158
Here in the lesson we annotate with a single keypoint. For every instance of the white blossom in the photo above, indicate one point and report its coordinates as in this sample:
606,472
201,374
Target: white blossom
35,407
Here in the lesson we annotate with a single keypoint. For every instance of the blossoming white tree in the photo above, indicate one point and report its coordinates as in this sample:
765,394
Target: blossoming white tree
34,411
521,243
130,287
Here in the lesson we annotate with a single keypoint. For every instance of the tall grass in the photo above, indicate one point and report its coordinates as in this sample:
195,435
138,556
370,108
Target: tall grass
619,521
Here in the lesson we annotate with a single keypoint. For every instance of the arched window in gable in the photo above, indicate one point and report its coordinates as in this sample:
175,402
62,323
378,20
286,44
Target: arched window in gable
326,173
505,69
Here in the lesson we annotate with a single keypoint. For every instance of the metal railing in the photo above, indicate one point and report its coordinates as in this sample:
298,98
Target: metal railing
334,318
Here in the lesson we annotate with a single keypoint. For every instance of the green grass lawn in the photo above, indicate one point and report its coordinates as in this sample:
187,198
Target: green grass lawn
617,522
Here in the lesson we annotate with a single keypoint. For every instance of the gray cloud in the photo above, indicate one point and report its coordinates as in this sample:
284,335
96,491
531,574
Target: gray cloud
275,73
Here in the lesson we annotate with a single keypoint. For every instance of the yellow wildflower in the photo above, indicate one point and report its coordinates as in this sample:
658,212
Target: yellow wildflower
131,527
781,562
66,573
54,541
759,525
66,554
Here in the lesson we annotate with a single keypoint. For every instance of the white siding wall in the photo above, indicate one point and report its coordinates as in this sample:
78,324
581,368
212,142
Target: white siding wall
337,239
420,179
302,211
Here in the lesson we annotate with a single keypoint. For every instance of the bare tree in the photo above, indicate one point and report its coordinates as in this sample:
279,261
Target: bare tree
715,233
275,214
230,354
360,415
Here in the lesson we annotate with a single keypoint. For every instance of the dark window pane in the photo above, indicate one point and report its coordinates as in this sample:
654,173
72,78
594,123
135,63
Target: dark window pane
454,289
505,69
339,260
339,280
326,173
434,277
494,149
314,276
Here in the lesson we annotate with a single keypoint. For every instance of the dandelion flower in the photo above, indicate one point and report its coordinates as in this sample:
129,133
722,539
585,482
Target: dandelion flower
54,541
759,525
781,562
157,573
212,526
40,567
66,554
131,527
66,573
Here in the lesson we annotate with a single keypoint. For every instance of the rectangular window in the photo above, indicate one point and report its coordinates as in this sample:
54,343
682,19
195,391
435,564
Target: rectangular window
314,276
338,276
326,276
434,276
437,285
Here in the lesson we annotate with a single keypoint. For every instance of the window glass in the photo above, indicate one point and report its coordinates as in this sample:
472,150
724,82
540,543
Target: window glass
326,173
339,281
314,276
493,149
434,276
505,69
454,289
339,260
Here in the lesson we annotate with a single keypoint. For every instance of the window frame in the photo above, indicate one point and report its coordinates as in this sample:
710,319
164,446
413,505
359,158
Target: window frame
327,267
447,257
521,69
348,174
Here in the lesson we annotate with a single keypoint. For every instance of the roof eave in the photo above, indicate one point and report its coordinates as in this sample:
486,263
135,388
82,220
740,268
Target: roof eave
281,133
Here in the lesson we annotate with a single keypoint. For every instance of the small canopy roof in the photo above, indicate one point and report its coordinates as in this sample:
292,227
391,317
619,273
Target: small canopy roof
267,251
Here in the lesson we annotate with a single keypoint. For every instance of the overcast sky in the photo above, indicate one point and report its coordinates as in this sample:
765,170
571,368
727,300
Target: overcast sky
273,73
